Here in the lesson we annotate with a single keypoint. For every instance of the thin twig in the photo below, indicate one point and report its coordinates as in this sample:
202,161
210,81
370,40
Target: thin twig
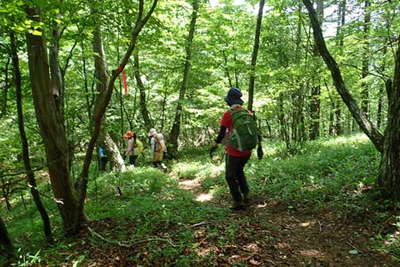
198,224
320,226
351,245
132,242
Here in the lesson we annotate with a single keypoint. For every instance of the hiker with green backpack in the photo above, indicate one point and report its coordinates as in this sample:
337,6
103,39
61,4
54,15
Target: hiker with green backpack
239,133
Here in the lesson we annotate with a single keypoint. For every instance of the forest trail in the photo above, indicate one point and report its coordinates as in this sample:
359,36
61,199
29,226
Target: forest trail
274,234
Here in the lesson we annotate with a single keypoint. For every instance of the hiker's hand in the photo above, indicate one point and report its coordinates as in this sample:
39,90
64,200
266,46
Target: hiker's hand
212,149
260,152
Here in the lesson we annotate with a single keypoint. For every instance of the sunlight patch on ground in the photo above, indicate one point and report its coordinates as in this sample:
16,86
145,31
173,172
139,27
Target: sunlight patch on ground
193,186
204,197
189,184
307,223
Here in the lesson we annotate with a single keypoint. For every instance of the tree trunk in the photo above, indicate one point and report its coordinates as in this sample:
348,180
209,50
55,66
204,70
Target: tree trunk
101,77
365,60
283,128
176,127
338,129
89,102
6,247
381,92
163,107
5,192
114,153
362,120
227,74
24,142
103,101
148,123
389,171
315,108
315,103
237,84
51,126
5,90
254,55
55,71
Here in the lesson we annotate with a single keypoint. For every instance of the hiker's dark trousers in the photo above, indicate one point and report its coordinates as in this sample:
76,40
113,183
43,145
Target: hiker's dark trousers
235,177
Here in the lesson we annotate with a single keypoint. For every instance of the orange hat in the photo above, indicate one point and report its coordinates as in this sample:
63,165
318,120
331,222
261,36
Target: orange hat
128,134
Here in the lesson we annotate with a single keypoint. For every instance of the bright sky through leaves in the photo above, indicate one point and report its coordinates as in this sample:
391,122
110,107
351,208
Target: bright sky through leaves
328,27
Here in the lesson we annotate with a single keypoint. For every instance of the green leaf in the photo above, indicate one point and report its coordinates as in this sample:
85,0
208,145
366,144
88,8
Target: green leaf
35,32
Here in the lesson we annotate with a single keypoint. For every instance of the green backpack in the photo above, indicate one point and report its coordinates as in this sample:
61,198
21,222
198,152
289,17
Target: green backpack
244,136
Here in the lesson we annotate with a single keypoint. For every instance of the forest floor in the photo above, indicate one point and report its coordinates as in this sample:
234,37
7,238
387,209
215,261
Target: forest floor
275,234
267,233
312,209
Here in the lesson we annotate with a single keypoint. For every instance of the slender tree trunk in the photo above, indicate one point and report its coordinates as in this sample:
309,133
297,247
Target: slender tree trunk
164,105
51,126
148,123
315,103
337,111
315,108
338,119
228,75
86,86
24,142
103,101
176,127
6,247
237,84
381,92
5,90
101,77
298,130
283,128
254,55
365,60
362,120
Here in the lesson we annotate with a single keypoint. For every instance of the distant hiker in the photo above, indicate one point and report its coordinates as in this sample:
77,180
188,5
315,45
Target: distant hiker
134,147
158,148
239,133
103,159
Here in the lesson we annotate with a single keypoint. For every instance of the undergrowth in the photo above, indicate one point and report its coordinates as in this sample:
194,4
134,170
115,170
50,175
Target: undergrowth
147,207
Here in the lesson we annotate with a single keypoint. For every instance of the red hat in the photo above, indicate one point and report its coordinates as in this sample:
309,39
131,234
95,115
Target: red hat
128,134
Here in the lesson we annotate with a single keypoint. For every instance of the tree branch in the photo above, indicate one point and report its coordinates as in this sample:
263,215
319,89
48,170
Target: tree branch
365,124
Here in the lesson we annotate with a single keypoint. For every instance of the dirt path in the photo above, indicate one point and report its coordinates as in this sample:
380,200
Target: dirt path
272,234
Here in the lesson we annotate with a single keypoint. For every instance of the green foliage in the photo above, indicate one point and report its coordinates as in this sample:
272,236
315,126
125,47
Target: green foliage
327,172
